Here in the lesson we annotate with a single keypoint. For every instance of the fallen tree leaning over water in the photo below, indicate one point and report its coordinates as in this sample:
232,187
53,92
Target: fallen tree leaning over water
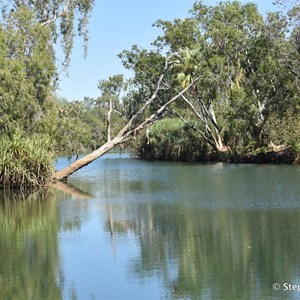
129,131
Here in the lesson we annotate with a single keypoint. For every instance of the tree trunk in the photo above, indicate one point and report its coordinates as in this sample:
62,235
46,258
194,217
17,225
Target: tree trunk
78,164
125,134
108,120
220,147
207,116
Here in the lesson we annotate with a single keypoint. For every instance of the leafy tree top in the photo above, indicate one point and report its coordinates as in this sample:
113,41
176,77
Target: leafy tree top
61,16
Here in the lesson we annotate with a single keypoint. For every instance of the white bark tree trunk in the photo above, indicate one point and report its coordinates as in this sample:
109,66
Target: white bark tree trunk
125,134
108,120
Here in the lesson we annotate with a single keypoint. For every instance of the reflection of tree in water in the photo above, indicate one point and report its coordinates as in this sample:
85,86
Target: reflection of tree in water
71,213
215,254
30,267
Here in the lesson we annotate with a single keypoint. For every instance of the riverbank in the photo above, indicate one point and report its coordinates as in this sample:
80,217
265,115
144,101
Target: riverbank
26,164
283,155
171,140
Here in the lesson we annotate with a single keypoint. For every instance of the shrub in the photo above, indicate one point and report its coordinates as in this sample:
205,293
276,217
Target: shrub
25,162
171,139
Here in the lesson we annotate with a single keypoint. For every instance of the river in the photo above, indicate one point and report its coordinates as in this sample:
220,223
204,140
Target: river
133,229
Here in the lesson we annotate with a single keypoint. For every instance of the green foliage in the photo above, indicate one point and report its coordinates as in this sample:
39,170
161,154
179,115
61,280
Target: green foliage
62,18
111,103
171,139
25,162
177,33
147,66
28,77
27,73
247,96
94,117
72,134
286,130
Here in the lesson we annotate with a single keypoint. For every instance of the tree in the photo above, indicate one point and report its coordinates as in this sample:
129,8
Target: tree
111,91
27,73
244,81
291,56
219,53
247,98
230,79
271,84
28,76
72,134
60,16
134,124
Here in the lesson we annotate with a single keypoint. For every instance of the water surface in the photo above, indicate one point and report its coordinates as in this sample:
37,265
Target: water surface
133,229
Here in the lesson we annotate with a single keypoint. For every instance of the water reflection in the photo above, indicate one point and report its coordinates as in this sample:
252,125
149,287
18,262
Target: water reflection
30,264
147,230
212,254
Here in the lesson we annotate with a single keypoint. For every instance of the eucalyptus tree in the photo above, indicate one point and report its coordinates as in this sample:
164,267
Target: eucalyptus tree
27,72
291,18
64,18
244,82
218,38
270,83
110,99
145,112
29,30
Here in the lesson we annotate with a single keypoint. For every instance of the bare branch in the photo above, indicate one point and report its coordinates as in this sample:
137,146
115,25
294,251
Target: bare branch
193,109
120,114
151,99
57,15
158,114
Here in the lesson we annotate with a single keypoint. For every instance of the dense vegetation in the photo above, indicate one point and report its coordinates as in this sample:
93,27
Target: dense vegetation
30,113
25,162
247,99
244,103
172,139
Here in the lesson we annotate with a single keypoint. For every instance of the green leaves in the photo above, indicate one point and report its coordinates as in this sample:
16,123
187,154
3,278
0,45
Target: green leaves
248,67
25,162
176,34
171,139
62,18
27,72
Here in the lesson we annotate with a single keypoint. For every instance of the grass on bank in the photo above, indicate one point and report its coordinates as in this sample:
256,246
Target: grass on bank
25,162
171,139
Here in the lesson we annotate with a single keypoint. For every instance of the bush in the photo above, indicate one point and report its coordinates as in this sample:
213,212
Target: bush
171,139
25,162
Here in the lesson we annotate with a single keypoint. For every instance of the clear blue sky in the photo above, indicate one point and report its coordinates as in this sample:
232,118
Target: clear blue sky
115,25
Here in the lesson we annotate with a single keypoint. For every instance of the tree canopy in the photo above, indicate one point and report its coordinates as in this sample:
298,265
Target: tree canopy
64,18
